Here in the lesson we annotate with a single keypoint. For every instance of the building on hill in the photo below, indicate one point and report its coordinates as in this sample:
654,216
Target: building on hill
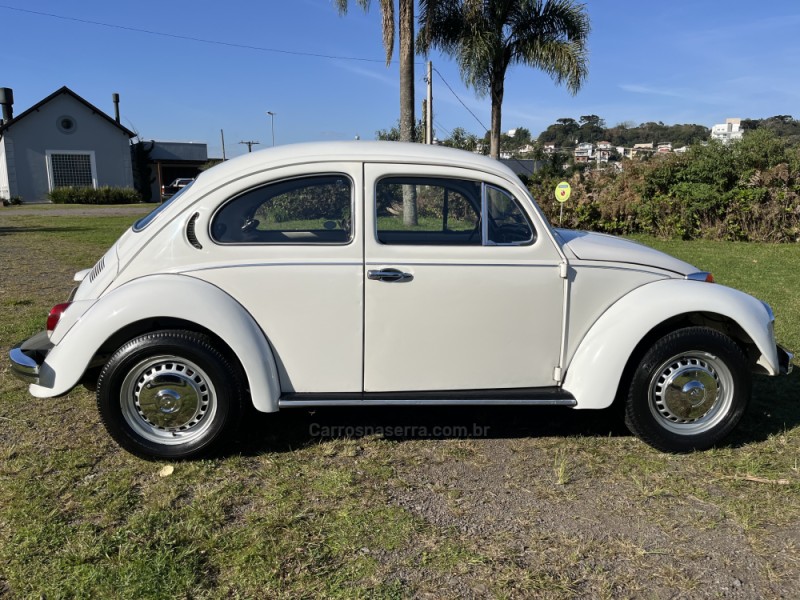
729,131
584,152
642,150
62,140
603,151
664,148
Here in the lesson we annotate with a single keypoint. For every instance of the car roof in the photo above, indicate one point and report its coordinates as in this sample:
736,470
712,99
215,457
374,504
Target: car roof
366,151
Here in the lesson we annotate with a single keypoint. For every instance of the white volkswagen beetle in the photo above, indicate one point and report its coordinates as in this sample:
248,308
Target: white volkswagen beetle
368,273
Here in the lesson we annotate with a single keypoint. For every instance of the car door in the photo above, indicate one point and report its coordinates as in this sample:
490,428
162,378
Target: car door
471,297
286,244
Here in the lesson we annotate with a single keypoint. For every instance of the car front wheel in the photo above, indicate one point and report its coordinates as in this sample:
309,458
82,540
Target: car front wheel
689,391
169,395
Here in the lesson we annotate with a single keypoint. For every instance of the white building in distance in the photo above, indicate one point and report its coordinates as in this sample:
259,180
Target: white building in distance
728,131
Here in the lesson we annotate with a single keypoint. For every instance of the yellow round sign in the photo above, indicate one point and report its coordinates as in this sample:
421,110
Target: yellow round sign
563,191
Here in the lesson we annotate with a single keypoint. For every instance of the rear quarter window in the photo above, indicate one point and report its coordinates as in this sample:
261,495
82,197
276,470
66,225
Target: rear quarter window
307,210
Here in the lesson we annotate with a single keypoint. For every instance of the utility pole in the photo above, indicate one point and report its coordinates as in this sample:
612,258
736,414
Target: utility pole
250,145
272,116
222,135
429,107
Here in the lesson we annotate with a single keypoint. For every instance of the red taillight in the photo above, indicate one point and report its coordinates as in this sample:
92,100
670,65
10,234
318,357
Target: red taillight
55,315
709,278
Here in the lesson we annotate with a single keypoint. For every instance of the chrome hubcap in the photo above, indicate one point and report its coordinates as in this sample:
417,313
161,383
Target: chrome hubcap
168,399
691,392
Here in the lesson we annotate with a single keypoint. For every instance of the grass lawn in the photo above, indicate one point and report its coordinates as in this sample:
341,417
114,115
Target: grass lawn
540,503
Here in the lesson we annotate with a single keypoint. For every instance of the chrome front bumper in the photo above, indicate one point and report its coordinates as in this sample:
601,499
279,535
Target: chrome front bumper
27,357
785,360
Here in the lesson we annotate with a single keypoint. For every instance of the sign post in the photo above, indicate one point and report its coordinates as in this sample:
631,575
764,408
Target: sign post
563,190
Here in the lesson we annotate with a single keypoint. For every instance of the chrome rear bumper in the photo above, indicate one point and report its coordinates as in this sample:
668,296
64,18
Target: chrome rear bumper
27,357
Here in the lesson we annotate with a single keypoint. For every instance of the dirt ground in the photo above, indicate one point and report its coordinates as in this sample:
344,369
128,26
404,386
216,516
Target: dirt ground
554,504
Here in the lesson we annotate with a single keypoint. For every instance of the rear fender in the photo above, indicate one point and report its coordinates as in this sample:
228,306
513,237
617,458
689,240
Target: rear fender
161,296
593,376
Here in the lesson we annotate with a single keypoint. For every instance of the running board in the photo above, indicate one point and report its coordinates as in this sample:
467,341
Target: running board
512,397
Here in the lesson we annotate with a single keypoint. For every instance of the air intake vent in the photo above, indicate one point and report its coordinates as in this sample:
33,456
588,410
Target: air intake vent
190,234
98,268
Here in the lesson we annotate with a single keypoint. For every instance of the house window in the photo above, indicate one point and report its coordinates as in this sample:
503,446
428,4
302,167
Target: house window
71,169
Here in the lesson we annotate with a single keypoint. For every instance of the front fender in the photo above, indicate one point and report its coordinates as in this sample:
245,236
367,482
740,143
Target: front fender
594,373
162,296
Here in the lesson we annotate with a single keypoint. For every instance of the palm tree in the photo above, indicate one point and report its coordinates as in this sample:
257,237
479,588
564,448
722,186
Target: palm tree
407,121
488,36
406,25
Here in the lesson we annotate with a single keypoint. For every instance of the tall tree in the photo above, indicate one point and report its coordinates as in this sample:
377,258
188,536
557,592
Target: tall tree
486,37
407,121
406,30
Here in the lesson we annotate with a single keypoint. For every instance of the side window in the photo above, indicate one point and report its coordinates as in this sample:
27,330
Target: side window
447,211
507,224
308,210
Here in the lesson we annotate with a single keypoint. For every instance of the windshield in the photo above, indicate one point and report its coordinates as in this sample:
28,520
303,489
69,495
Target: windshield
146,220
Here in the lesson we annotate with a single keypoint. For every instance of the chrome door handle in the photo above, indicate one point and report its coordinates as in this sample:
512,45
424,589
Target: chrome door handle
389,275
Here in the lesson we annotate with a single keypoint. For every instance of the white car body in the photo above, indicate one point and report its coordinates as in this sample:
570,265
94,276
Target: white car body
309,326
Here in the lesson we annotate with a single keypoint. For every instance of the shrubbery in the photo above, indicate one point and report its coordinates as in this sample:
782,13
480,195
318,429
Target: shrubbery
748,191
88,195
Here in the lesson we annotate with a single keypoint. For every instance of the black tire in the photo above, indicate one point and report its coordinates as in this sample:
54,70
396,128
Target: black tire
170,395
689,391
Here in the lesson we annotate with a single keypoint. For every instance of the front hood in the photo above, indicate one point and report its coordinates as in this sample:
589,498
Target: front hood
597,246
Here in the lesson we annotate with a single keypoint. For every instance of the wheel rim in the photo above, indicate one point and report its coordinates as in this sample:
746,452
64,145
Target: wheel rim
691,393
168,400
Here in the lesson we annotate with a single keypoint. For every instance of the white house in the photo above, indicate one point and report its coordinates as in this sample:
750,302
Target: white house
584,152
62,140
664,148
603,151
728,131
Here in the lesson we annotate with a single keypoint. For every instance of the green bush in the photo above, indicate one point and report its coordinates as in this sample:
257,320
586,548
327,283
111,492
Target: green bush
88,195
747,191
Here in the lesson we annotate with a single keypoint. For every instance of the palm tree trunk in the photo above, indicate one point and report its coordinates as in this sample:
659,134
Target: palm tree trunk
407,71
407,133
498,88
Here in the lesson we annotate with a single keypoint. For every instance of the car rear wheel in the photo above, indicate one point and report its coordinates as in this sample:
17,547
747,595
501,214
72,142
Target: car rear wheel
689,391
169,395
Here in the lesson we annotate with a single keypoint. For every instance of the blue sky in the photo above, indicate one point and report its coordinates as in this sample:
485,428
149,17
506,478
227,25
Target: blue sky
685,61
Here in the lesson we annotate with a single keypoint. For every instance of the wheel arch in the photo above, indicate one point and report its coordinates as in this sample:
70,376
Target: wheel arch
718,322
132,330
181,302
610,351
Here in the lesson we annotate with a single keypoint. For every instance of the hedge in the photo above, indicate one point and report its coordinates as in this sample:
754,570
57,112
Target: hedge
88,195
746,191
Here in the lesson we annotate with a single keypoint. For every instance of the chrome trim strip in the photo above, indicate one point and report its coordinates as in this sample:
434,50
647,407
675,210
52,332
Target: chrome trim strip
434,402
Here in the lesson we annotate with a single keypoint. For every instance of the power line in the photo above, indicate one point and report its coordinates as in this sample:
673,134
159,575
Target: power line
460,100
190,38
443,128
230,45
